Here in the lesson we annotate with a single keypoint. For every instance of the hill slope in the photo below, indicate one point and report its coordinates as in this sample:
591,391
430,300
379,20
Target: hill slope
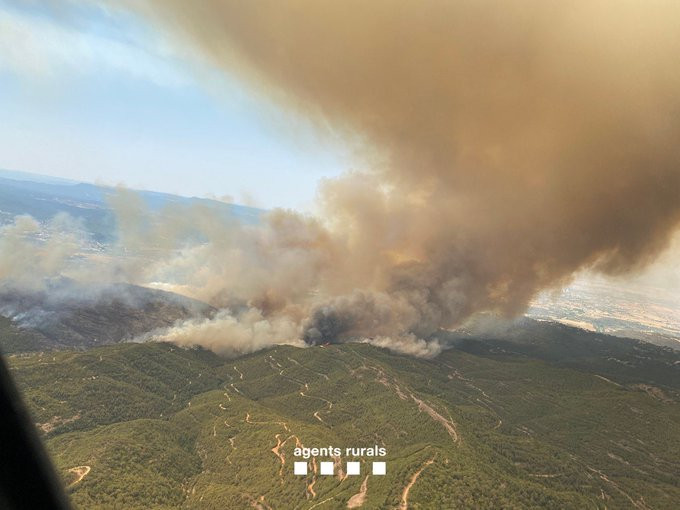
71,315
154,426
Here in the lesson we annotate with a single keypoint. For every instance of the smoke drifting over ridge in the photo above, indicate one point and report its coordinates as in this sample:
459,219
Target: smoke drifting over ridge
508,144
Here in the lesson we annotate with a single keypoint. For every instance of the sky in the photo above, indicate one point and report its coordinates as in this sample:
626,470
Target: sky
101,96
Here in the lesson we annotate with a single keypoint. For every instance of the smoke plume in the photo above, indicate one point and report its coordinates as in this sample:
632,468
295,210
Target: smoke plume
506,145
509,144
30,251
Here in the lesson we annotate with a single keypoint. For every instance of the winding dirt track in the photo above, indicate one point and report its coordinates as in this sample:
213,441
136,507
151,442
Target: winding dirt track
310,487
317,414
639,503
280,456
404,495
282,423
81,472
321,502
358,499
447,424
423,406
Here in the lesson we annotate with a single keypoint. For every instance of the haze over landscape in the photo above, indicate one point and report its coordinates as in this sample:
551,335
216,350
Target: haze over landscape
449,229
497,177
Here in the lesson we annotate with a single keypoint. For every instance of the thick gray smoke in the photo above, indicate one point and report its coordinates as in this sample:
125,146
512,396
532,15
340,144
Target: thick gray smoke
508,145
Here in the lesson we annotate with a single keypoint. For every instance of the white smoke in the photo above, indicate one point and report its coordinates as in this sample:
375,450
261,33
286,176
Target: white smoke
231,334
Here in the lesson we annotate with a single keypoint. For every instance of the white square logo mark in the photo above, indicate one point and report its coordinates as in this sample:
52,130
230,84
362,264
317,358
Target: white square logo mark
327,468
353,468
300,468
379,468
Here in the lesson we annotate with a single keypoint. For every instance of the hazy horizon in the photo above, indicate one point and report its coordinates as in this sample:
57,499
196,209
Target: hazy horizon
110,100
447,177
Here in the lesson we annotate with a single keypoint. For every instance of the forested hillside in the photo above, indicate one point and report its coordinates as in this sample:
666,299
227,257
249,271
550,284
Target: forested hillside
156,426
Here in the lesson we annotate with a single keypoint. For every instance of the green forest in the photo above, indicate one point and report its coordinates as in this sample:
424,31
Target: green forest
138,426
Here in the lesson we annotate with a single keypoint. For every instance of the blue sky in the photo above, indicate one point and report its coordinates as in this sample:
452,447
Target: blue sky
97,95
